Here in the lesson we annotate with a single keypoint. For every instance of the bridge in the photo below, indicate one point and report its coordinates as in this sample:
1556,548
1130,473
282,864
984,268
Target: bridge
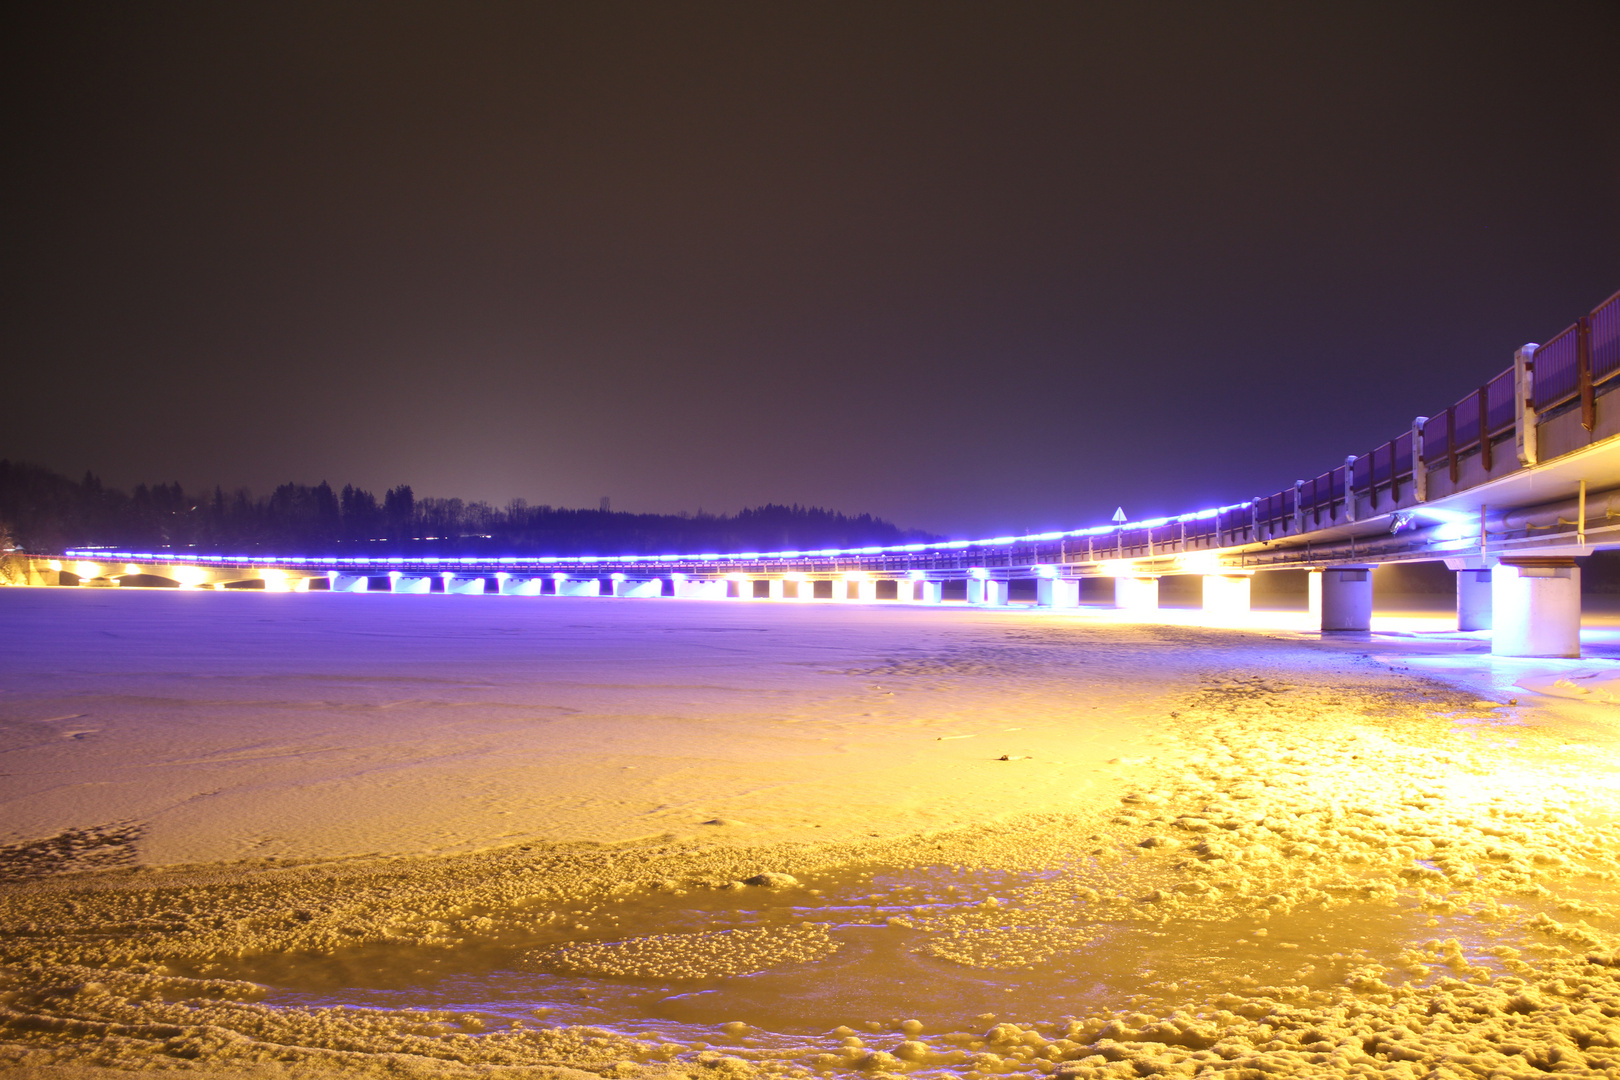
1508,485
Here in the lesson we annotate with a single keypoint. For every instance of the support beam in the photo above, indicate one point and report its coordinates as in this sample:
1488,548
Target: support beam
345,582
975,590
1347,598
995,593
1474,589
906,590
933,592
1313,595
1227,594
1057,592
1536,607
521,586
1136,593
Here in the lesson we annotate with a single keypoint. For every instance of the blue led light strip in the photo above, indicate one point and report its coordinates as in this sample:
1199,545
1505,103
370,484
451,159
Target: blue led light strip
587,560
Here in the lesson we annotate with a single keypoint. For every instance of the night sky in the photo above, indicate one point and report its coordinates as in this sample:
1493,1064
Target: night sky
972,267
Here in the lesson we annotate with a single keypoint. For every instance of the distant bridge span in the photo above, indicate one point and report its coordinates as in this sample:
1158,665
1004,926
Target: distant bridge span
1507,486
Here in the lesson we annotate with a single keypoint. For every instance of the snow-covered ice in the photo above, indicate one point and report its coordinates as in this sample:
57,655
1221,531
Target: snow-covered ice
440,835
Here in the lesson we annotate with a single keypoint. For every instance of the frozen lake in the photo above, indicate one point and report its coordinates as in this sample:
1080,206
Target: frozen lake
647,837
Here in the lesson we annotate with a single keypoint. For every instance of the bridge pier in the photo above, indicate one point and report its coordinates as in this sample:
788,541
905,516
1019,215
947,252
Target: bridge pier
1227,594
410,583
906,590
1474,588
1347,598
1536,607
933,592
689,588
633,587
344,582
567,586
1137,592
520,586
463,586
1313,595
986,592
1057,592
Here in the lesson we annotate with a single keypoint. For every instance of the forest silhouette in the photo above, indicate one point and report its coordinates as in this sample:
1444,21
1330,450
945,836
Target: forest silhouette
42,511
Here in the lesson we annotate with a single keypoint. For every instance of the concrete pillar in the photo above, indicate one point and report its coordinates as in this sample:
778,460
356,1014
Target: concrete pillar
1057,592
1347,598
578,587
702,588
907,590
865,590
995,593
933,592
634,587
410,583
1227,594
347,582
975,590
1536,608
1136,593
1313,595
1474,589
521,586
777,592
803,589
740,588
464,586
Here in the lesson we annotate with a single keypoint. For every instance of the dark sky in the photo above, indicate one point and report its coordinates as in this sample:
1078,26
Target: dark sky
975,268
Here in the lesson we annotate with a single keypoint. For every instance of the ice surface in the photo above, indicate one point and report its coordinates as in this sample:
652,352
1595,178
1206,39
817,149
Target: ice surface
323,725
853,840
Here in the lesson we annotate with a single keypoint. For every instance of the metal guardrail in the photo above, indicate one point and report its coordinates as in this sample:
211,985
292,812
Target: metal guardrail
1567,368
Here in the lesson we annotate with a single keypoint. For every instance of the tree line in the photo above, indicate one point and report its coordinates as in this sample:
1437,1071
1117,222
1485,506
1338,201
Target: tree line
43,511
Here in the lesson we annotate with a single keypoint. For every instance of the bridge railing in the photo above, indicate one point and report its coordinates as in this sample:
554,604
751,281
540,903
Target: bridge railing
1499,410
1603,330
1557,369
1567,367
